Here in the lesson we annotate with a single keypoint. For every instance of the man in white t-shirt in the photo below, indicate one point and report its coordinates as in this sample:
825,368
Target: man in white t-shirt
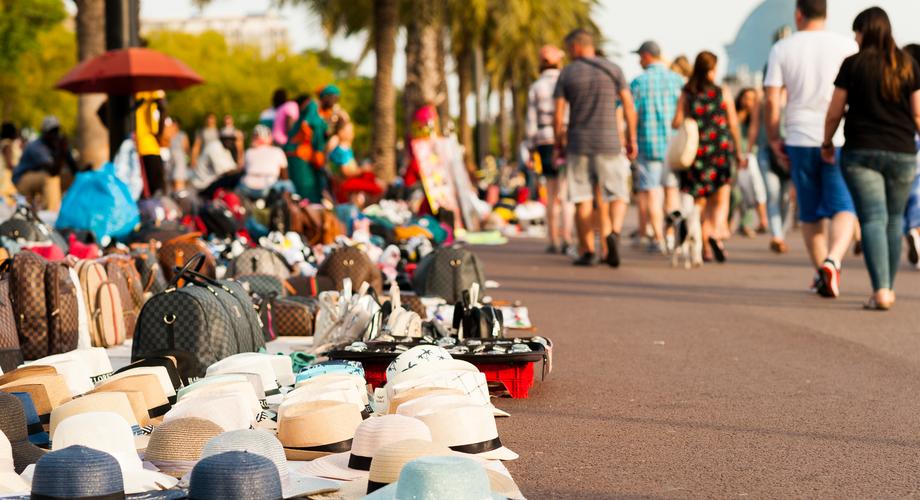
805,65
264,164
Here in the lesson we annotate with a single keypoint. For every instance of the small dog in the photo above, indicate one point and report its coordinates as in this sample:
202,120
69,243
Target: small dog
687,243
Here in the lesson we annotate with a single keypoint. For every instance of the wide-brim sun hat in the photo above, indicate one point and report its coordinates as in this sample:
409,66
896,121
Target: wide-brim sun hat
258,365
235,384
231,411
439,478
283,366
13,425
236,475
344,394
96,360
26,371
262,442
373,434
75,373
160,372
316,429
333,380
10,482
114,402
175,446
149,385
420,392
47,392
468,429
167,362
108,432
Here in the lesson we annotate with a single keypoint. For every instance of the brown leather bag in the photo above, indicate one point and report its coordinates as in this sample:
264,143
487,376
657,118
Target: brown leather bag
285,318
178,251
10,352
350,262
28,296
62,307
314,222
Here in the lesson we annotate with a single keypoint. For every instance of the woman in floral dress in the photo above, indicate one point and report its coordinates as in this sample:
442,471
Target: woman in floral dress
708,180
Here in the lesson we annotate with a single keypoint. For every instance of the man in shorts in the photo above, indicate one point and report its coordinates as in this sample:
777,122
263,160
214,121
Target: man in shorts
805,64
656,92
596,168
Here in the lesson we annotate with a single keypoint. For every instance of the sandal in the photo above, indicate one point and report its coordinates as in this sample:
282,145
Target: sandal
718,251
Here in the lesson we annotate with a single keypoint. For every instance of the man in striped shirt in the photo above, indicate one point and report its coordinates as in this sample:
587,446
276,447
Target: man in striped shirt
656,92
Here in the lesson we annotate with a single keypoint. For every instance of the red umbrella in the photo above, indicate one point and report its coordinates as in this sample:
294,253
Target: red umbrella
127,71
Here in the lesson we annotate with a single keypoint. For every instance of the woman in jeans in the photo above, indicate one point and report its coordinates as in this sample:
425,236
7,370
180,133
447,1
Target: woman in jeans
881,86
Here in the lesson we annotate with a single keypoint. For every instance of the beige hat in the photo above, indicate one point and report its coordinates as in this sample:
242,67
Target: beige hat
47,392
160,372
420,392
115,402
468,429
26,371
149,385
175,446
373,434
138,406
346,394
318,428
10,482
389,460
231,411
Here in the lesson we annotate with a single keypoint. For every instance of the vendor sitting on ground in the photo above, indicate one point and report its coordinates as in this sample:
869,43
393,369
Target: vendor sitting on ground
264,166
351,183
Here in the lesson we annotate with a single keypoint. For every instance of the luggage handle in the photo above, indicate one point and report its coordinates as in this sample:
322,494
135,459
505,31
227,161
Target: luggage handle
193,265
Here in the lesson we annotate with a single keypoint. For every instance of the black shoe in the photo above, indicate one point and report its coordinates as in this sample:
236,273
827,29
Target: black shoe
913,247
564,249
586,260
552,249
718,252
857,248
613,250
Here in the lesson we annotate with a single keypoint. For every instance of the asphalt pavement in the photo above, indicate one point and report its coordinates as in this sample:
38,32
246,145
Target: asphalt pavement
727,381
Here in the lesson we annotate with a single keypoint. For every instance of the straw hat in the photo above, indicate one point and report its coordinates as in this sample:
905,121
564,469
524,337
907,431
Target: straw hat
37,434
160,372
13,425
176,445
230,411
420,392
10,482
468,429
371,435
47,392
283,366
77,472
262,442
167,362
75,373
149,385
347,394
319,428
230,384
337,366
390,459
114,402
108,432
235,474
472,382
334,380
26,371
258,365
95,359
443,478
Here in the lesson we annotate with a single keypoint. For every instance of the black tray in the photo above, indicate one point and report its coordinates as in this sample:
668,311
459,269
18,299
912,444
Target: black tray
538,353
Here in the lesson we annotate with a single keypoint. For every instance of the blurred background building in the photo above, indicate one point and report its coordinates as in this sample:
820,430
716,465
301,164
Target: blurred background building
268,30
747,54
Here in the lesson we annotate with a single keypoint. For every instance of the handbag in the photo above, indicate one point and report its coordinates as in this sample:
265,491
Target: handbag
683,146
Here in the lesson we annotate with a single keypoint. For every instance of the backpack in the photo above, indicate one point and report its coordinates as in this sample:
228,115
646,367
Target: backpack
179,250
10,352
350,262
103,304
121,271
446,273
259,261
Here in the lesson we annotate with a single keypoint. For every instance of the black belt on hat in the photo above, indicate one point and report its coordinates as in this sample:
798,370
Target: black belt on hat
159,410
111,496
331,448
481,447
358,462
373,486
272,392
35,428
45,418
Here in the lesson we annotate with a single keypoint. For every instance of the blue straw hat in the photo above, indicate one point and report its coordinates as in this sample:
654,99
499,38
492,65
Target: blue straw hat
37,434
439,478
77,472
235,474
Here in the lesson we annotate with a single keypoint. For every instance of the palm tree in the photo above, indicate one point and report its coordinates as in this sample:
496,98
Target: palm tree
386,22
422,73
92,138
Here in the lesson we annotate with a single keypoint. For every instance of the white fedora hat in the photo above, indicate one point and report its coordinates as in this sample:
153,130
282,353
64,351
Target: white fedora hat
282,365
373,434
334,379
231,411
344,395
10,482
468,429
235,384
96,360
258,365
114,402
415,357
75,373
109,432
160,372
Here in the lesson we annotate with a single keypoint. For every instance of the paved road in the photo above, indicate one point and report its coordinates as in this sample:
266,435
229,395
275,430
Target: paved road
727,381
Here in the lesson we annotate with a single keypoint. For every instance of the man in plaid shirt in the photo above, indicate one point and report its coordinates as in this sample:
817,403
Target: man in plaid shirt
656,92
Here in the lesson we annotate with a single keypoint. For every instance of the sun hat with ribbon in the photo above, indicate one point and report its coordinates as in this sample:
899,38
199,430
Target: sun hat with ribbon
235,474
248,364
26,371
13,425
47,392
415,357
109,432
37,434
420,392
95,359
149,385
160,372
168,362
223,384
468,429
75,373
175,446
337,366
318,428
370,436
472,383
10,482
115,402
230,411
334,380
390,459
283,366
439,478
262,442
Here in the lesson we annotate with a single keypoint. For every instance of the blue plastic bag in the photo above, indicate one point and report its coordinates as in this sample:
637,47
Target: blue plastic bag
98,201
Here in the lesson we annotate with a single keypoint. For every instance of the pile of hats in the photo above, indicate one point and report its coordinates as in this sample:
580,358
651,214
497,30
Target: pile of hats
251,428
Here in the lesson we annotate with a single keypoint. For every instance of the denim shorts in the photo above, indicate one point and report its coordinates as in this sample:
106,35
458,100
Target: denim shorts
821,192
652,174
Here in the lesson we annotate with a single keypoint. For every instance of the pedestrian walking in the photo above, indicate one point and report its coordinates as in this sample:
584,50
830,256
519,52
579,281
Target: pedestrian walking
656,92
805,65
708,179
912,213
541,109
753,137
879,89
597,171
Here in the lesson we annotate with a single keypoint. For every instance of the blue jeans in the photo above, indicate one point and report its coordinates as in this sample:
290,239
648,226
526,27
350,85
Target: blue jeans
821,192
777,196
880,183
912,214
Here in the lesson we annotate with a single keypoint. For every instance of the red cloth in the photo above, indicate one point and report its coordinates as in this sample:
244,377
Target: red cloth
364,183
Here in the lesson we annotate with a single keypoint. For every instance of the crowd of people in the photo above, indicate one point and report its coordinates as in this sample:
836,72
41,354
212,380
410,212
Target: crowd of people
780,146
